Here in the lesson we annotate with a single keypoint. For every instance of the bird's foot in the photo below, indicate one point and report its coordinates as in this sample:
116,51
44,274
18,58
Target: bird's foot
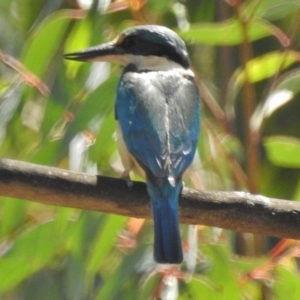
126,177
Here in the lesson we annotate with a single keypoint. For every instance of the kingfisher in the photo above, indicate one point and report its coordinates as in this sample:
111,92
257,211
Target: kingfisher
157,110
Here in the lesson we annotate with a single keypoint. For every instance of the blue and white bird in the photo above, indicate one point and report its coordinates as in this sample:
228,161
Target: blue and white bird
158,110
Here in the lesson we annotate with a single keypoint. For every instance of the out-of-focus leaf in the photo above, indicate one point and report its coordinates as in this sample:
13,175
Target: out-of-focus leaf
46,153
25,13
265,66
42,285
261,68
201,288
75,279
45,42
225,33
277,99
270,9
4,86
297,192
158,5
84,231
53,112
105,144
17,264
13,214
287,283
99,103
78,154
148,287
281,10
99,73
9,103
290,81
283,151
78,39
105,241
222,273
122,278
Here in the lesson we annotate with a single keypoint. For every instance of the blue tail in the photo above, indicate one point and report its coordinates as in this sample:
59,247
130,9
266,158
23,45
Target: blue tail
167,242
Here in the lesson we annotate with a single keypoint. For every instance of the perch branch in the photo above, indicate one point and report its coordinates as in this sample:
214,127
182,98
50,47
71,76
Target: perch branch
237,211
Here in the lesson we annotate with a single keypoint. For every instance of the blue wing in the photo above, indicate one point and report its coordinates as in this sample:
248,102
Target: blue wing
159,116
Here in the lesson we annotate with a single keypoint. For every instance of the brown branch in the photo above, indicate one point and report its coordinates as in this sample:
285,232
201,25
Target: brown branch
237,211
249,102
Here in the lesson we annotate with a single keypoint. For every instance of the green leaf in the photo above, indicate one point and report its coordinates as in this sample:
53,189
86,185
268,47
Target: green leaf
289,81
13,214
226,33
100,102
261,68
124,277
75,278
27,254
53,112
266,65
270,9
42,285
201,288
46,154
105,241
105,145
84,232
4,87
221,274
45,42
287,283
280,10
78,39
264,110
283,151
296,195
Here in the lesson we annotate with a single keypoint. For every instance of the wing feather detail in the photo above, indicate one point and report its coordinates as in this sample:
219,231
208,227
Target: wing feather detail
159,117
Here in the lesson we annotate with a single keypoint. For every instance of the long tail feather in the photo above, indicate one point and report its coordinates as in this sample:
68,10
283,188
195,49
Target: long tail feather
167,242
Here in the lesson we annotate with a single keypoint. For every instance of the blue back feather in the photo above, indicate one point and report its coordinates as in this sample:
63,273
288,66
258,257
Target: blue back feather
159,117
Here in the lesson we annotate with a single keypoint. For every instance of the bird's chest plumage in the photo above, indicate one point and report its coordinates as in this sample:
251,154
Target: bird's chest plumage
159,116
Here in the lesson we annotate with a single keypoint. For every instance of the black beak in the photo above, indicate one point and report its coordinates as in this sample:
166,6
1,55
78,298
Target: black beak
103,52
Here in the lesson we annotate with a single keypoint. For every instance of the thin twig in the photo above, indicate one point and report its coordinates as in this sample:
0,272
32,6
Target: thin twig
26,75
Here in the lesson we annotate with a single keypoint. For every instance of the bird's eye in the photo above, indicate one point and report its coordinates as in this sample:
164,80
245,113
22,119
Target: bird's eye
131,42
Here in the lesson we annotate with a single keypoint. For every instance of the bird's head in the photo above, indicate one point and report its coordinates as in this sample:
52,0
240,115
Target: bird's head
146,46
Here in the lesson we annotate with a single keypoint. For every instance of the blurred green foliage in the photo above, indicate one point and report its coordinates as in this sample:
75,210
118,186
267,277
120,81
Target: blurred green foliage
55,112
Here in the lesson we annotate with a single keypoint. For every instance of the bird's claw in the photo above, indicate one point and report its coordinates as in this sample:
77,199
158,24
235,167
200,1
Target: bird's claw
126,177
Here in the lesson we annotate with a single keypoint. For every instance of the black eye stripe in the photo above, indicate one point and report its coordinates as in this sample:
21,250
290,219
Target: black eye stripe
137,45
132,42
